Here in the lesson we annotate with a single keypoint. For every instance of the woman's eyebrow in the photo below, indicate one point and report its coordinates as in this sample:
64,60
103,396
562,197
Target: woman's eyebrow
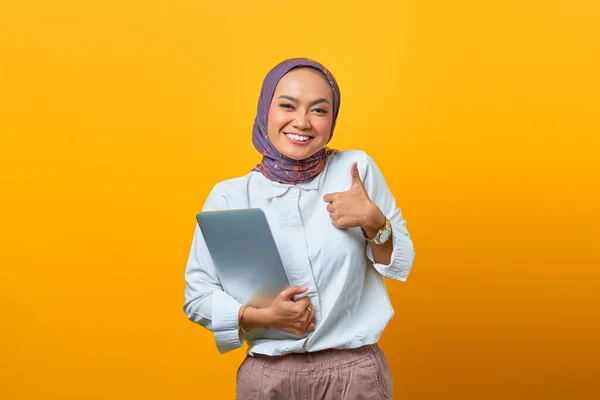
289,98
312,103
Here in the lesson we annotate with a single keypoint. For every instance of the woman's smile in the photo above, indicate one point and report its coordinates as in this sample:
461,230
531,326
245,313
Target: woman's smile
298,139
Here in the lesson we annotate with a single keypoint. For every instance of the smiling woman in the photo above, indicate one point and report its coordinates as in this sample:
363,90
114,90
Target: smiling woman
338,232
300,117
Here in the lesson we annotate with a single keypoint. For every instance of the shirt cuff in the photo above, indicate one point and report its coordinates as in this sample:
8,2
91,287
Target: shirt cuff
401,259
225,312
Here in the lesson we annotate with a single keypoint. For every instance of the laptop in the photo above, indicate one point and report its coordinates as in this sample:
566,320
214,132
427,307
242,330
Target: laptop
244,252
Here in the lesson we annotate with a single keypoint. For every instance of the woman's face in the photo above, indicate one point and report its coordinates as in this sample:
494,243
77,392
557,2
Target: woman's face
301,113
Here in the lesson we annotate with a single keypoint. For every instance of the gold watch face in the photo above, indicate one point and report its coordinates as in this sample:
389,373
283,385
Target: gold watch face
385,235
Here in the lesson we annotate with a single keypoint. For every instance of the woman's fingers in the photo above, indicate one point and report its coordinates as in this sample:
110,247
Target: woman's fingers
289,293
302,327
297,317
308,318
302,305
309,315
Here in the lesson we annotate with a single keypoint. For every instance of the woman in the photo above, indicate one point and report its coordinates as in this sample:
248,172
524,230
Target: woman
338,231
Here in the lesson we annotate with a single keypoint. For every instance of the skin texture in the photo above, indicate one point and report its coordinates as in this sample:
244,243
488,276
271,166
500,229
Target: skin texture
283,313
353,208
302,105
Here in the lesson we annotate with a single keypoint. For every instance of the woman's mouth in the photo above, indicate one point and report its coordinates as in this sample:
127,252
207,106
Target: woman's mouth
298,139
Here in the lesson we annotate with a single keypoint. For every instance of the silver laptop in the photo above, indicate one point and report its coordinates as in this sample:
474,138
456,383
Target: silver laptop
244,252
245,255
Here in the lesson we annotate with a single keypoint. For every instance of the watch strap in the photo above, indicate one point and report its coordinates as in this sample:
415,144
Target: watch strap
377,238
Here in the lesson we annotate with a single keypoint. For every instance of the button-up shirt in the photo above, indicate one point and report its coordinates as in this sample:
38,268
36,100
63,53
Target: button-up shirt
345,285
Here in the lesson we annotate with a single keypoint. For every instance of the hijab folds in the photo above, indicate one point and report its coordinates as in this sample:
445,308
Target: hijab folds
274,165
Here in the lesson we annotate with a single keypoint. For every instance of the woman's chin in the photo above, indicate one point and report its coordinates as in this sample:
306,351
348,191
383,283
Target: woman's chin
299,153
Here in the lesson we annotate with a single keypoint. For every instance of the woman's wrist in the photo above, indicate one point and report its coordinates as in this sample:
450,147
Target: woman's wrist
374,221
254,318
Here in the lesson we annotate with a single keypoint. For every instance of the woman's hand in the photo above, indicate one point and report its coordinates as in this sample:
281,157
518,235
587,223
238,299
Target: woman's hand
295,317
284,314
353,208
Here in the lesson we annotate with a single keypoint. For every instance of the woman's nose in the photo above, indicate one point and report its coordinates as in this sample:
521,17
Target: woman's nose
301,122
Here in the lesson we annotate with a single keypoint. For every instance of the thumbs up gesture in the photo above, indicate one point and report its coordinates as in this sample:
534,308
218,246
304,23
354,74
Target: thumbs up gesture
353,208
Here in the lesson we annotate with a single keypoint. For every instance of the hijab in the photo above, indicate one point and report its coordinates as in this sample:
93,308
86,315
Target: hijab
274,165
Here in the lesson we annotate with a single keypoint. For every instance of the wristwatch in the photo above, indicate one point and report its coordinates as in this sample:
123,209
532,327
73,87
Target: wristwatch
382,235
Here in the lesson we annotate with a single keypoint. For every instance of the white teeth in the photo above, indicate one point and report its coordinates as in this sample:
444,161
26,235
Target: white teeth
296,137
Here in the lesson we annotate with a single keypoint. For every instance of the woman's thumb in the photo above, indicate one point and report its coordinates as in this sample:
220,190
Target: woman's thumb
289,293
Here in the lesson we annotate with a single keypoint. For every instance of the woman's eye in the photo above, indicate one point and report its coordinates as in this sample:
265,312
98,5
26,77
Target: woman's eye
320,110
285,105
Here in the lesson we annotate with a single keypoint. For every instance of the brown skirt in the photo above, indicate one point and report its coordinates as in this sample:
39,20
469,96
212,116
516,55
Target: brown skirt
351,374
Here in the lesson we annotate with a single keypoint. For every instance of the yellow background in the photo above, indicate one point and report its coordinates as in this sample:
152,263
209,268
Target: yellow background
117,117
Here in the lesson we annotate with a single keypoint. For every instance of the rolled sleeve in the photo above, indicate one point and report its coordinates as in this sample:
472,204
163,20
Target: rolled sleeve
226,328
403,252
206,303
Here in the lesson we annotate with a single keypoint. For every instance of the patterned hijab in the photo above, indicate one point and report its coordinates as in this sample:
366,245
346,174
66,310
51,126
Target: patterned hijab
275,166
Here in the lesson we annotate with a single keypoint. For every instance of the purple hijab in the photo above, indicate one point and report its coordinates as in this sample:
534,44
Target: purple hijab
275,166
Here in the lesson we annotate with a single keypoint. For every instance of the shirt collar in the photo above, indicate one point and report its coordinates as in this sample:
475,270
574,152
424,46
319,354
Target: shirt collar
271,189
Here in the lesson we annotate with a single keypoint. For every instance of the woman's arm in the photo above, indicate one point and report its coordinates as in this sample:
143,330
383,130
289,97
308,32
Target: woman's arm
375,220
394,258
207,304
283,313
366,204
205,301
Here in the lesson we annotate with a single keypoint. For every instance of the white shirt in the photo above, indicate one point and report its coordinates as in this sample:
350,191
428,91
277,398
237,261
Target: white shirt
349,298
